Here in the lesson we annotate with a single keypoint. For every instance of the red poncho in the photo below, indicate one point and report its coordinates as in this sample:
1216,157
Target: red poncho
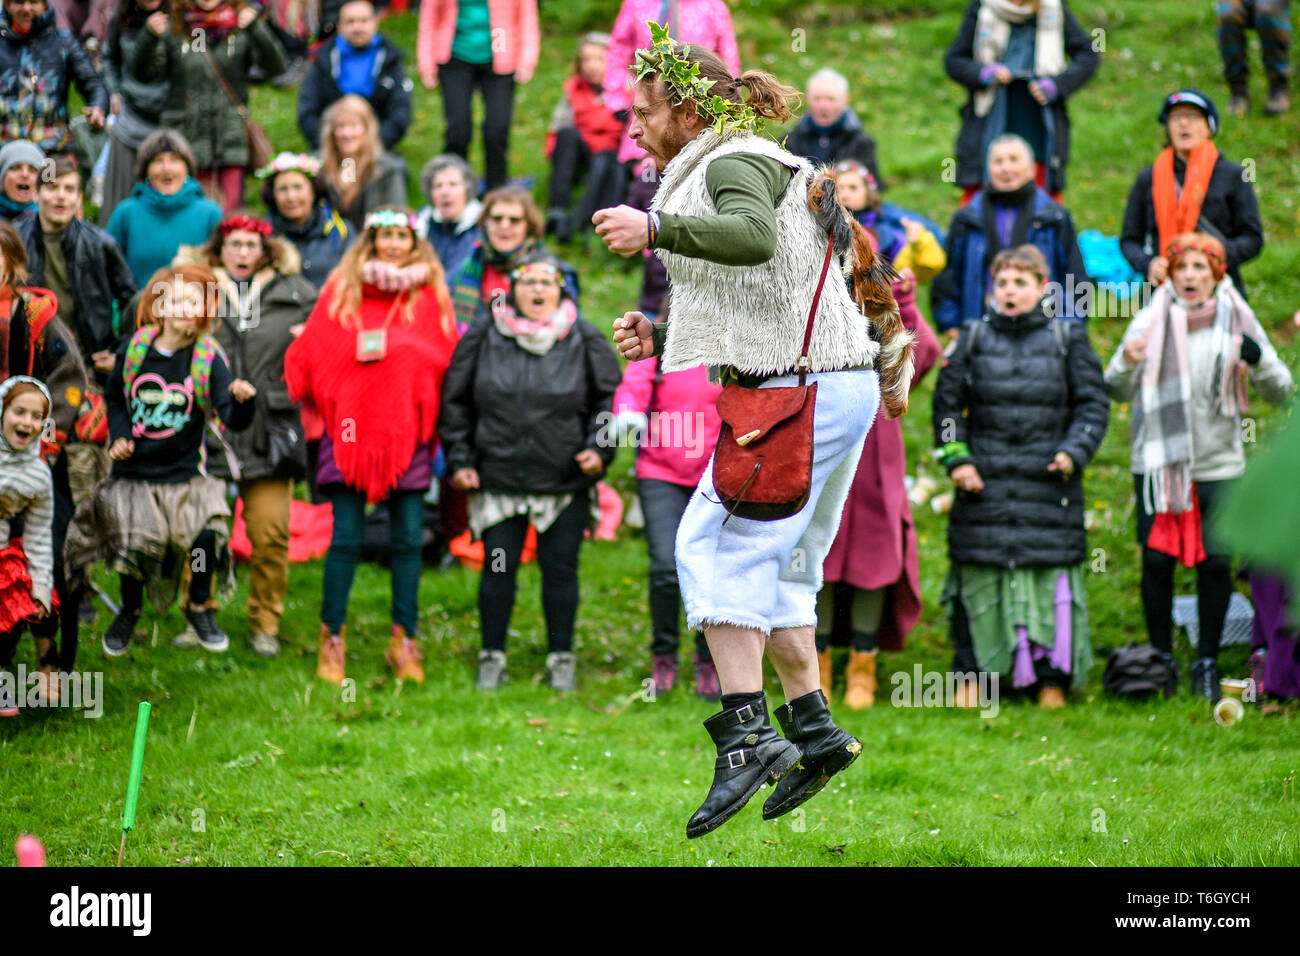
376,413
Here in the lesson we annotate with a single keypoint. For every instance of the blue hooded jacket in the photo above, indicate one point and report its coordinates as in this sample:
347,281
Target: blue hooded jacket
957,294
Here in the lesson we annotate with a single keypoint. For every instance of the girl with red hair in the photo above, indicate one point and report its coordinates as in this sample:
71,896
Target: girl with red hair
159,510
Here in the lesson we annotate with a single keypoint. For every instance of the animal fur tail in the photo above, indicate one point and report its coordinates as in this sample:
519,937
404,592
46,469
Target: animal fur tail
870,282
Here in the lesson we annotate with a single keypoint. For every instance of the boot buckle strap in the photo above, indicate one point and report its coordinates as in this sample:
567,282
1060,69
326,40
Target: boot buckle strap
732,761
745,714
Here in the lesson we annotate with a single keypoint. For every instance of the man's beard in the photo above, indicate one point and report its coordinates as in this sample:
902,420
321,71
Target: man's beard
674,141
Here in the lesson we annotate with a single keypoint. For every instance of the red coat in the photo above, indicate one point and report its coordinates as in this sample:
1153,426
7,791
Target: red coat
876,544
599,128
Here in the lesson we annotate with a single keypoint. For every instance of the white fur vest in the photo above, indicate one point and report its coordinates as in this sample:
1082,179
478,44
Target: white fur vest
753,317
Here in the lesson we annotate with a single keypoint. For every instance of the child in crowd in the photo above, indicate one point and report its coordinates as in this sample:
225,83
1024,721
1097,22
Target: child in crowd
583,136
159,510
907,239
1020,408
1183,365
26,494
371,362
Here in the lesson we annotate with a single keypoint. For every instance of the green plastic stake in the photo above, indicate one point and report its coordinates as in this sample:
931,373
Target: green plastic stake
137,767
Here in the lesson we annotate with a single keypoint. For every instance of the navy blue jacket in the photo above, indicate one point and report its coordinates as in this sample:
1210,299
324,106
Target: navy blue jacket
957,293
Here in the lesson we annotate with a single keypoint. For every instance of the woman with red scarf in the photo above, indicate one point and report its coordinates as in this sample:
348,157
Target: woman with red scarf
371,362
235,39
1183,365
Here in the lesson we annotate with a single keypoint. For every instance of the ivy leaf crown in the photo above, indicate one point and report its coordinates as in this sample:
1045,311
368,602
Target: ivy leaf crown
682,77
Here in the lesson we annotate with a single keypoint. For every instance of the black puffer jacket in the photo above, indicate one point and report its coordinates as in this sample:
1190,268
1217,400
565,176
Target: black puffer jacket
519,418
1009,393
97,272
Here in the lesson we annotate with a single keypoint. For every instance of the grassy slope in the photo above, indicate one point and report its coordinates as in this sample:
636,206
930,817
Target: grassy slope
282,770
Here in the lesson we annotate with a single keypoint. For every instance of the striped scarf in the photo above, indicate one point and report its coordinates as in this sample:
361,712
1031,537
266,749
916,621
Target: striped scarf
1162,411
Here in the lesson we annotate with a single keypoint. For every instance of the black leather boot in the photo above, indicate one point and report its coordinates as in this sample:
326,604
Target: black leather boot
825,748
750,753
1205,679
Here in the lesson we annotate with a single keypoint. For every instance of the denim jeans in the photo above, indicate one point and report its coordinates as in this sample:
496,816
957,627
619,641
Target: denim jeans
405,509
662,503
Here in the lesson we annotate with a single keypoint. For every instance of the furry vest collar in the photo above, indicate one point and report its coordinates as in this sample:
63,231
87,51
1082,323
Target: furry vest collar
753,317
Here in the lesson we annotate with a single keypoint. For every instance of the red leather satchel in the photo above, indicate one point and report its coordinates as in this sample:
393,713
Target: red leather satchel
762,467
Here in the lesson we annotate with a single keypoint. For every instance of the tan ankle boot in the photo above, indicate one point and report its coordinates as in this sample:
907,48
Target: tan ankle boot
403,656
824,671
333,651
47,678
860,678
1051,698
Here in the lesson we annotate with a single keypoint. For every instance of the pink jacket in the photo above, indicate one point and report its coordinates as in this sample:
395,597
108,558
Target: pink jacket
515,41
705,22
682,427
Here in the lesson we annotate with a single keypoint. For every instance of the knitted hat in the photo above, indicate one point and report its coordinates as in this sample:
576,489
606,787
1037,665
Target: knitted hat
20,151
158,142
1191,97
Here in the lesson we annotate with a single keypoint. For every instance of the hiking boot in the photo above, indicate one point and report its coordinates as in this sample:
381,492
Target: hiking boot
706,680
824,671
1205,679
860,680
560,671
265,645
1171,667
491,669
1239,104
665,673
333,652
118,636
210,636
824,749
1051,698
750,753
1279,101
403,656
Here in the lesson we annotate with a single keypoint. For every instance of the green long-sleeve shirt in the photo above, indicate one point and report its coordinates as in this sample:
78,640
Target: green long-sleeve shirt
745,188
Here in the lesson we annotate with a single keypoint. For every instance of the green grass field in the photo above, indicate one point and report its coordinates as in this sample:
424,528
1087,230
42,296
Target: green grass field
255,762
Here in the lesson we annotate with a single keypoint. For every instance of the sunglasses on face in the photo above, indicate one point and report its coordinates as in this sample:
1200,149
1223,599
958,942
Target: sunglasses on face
641,114
505,220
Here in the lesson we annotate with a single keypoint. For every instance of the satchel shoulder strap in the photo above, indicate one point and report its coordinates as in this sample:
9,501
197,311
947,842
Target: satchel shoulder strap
804,365
240,108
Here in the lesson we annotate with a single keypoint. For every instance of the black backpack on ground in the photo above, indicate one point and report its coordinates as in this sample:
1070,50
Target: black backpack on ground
1138,671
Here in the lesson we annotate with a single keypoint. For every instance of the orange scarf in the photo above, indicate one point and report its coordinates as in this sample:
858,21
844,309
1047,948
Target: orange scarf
1178,212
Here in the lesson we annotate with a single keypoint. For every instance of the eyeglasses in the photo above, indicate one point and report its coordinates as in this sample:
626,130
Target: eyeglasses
539,282
505,220
641,112
239,245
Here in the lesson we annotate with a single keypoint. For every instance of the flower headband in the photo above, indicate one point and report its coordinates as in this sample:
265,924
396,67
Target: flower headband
683,78
390,217
545,268
1208,246
852,166
246,224
287,162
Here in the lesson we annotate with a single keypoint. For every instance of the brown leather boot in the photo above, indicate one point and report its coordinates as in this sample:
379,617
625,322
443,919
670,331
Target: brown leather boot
333,650
824,671
403,656
47,678
1051,698
860,678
